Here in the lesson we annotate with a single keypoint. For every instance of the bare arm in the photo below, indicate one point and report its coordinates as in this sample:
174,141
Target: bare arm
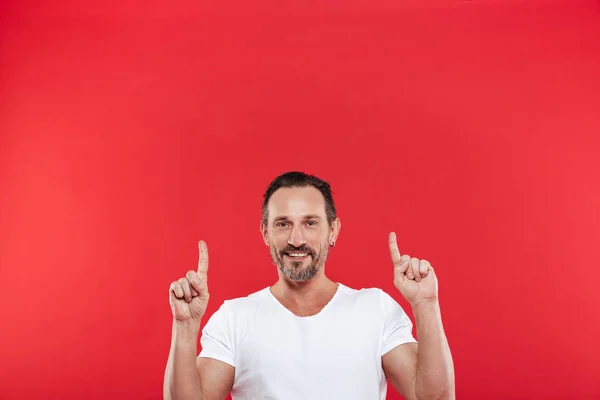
216,378
182,381
426,370
435,368
400,367
188,377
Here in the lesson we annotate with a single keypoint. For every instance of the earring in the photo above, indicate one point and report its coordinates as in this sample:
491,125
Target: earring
332,244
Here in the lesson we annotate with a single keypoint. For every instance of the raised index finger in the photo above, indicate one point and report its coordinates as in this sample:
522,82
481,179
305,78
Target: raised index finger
394,252
203,257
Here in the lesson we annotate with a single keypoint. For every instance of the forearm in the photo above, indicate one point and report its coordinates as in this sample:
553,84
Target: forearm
182,381
435,369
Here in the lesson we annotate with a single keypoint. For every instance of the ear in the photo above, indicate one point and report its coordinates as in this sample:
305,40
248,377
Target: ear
336,226
264,233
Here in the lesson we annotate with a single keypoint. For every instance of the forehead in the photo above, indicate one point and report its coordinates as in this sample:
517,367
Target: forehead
296,202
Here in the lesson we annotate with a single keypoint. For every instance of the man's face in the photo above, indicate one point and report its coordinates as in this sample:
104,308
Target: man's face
298,233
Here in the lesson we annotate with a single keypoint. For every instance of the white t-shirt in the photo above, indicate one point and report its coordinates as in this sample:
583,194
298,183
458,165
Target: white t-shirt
335,354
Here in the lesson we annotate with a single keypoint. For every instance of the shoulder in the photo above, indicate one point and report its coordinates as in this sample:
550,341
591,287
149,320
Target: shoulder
363,293
373,296
236,314
246,304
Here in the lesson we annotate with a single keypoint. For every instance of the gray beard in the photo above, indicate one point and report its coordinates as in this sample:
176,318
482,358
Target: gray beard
295,272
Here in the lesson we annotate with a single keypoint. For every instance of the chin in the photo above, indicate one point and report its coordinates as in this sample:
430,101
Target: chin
297,273
299,278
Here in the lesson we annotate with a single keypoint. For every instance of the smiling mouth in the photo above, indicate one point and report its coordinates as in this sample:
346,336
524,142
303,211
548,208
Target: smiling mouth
297,256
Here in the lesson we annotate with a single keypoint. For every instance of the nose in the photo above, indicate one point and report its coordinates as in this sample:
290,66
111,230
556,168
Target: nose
296,238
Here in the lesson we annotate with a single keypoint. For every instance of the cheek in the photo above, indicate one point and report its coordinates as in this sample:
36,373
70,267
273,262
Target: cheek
278,243
276,238
318,243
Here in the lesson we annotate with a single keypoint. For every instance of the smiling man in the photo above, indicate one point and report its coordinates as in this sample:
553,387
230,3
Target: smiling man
307,337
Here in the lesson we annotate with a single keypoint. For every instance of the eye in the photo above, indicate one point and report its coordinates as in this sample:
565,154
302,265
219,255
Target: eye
281,224
312,223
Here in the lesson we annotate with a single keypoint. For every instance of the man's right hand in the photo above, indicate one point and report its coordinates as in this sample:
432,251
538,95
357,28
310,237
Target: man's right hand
189,295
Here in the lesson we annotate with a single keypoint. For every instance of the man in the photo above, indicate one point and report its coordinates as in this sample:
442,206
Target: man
307,337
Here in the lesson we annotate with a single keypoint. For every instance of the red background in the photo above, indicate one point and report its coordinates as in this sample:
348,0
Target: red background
130,130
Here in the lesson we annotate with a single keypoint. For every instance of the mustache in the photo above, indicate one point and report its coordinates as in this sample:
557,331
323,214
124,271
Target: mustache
301,249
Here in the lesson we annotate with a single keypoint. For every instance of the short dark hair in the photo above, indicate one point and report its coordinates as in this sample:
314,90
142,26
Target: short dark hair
300,179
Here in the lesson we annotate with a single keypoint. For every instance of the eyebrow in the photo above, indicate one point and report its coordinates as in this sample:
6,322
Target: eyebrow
311,216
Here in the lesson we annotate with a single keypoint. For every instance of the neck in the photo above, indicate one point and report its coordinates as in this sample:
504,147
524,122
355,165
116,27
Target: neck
316,289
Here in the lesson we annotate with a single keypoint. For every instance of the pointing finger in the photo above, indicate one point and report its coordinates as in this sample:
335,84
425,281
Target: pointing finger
395,253
203,257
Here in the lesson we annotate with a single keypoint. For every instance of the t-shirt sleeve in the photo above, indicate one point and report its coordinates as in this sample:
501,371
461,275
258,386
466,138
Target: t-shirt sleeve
397,325
217,340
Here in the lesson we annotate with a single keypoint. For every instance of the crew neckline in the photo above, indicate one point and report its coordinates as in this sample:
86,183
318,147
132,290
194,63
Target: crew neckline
323,310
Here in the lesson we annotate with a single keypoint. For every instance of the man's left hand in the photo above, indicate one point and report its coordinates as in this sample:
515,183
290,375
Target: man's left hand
414,278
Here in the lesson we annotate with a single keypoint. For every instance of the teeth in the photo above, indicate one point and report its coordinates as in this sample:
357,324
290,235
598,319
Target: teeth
297,255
